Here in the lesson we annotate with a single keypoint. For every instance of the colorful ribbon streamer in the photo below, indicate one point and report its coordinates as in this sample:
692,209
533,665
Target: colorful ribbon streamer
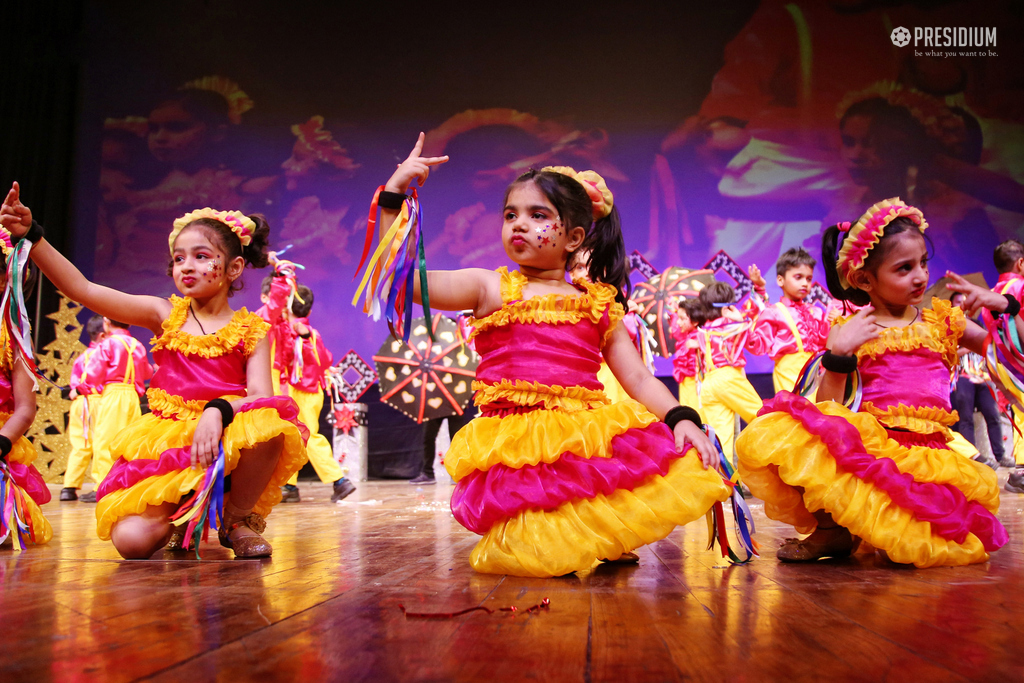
543,604
389,278
14,513
810,377
196,511
12,308
743,520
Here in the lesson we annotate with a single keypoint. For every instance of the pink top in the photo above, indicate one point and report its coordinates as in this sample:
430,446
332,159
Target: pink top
546,350
112,358
773,330
684,360
906,371
316,360
6,384
281,334
201,368
1008,283
84,373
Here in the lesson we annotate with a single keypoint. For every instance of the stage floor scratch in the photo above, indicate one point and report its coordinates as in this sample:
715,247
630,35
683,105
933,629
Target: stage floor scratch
326,607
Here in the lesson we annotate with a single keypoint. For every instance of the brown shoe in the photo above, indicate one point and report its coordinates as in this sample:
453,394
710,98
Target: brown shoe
829,542
625,558
176,543
244,544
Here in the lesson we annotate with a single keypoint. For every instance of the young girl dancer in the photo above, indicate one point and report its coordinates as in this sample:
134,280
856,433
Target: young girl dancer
553,475
884,474
17,410
212,388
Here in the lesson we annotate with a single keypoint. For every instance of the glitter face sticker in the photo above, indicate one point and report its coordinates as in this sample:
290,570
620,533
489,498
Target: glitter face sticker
214,270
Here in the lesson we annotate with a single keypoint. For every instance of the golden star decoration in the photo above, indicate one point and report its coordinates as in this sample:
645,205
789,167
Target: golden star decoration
49,430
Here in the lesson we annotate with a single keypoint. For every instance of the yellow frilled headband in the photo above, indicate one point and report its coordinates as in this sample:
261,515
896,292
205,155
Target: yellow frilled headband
600,196
240,224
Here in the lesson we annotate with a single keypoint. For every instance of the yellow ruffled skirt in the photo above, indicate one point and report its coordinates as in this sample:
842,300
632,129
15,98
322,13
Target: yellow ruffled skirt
554,492
133,485
796,472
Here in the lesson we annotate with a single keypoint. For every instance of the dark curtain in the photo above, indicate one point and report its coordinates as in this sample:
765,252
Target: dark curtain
39,98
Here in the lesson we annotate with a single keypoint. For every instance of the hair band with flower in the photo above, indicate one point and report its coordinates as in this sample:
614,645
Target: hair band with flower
600,196
238,222
862,237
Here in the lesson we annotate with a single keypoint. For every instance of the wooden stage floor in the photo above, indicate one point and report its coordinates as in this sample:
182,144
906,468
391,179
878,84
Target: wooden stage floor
326,608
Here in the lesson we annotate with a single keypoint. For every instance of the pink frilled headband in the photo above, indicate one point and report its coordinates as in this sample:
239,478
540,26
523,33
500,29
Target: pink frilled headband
865,233
240,224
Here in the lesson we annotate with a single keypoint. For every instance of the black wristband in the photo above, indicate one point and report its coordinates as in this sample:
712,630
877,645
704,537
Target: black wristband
1012,306
390,200
5,446
844,365
35,233
227,413
680,413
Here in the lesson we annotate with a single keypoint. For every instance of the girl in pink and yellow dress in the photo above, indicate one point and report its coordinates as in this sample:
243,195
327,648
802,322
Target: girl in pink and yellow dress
884,474
17,411
553,475
212,390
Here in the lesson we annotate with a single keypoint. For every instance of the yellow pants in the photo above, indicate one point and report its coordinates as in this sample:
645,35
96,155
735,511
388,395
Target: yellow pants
787,370
688,395
318,448
118,407
724,393
612,389
81,447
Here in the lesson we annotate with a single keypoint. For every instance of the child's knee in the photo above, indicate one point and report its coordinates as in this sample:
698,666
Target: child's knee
137,538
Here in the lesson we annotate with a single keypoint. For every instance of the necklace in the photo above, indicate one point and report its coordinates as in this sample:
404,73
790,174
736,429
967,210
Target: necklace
196,318
917,312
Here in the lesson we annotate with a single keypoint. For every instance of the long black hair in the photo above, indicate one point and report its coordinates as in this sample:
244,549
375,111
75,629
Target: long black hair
832,242
604,236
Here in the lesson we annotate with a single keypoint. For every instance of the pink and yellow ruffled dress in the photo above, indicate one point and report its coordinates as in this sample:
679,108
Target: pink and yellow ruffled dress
153,455
22,455
553,475
886,473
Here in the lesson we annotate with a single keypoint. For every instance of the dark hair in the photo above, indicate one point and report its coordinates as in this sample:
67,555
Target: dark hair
831,242
301,309
717,292
794,258
266,283
94,327
694,309
1007,254
255,254
604,236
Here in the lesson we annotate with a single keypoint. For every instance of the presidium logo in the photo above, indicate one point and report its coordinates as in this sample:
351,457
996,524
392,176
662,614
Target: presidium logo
966,38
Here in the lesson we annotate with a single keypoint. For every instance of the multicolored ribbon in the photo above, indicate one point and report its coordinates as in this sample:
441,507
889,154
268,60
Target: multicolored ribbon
14,512
15,317
810,377
389,278
743,520
196,511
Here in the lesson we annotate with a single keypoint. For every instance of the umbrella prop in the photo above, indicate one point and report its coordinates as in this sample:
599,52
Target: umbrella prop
431,376
658,299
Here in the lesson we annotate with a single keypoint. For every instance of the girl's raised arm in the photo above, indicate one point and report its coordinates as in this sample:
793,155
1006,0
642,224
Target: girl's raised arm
450,290
145,311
